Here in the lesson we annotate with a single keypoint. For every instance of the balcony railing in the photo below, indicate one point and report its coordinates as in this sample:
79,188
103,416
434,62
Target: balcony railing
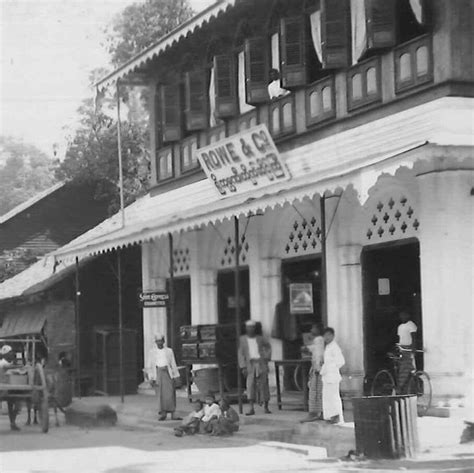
358,88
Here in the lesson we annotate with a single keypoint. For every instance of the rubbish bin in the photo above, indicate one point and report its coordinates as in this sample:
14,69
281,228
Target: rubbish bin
386,426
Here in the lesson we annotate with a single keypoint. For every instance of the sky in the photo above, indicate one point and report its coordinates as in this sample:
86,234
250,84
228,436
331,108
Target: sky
47,49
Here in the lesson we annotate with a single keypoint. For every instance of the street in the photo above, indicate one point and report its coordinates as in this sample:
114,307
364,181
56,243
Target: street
134,450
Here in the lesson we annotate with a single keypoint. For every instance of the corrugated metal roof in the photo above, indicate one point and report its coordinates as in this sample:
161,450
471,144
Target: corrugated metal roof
185,29
30,202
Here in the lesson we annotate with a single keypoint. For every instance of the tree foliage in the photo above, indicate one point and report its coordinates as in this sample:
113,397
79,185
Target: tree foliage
141,24
24,172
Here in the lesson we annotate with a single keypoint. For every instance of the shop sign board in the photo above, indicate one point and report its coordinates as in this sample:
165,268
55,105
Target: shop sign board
301,298
243,162
153,299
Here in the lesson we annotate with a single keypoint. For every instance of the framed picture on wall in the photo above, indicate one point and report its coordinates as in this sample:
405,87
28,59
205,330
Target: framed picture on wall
301,298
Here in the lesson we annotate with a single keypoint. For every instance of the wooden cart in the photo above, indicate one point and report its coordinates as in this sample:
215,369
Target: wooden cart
35,390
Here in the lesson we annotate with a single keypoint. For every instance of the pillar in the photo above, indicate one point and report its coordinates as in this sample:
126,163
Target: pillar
446,261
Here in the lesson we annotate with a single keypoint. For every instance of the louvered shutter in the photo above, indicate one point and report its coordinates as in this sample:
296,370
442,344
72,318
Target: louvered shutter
256,70
335,34
170,105
225,86
293,52
196,96
381,23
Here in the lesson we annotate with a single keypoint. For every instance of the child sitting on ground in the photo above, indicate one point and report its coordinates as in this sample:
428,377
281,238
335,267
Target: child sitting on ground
228,421
212,412
190,424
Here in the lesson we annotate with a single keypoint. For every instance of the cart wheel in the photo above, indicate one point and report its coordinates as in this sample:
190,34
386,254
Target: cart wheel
44,396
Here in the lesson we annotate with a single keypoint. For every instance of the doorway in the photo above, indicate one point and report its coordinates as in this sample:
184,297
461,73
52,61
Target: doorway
226,296
181,315
391,282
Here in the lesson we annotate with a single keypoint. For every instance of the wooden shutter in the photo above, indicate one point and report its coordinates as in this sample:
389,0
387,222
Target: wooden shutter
293,52
170,105
196,96
225,86
381,23
256,70
335,33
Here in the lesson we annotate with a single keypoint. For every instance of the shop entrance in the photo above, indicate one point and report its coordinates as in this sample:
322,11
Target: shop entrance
301,303
181,313
391,277
226,296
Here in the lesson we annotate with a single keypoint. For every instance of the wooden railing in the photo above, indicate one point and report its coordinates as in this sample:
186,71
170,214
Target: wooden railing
360,87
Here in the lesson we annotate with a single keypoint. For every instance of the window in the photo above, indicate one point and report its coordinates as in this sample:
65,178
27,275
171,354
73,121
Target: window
371,81
327,98
363,84
320,101
293,52
282,116
357,86
170,104
225,86
196,98
165,164
405,67
422,61
189,159
256,70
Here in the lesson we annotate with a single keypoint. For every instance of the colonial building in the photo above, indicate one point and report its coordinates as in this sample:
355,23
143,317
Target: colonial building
373,208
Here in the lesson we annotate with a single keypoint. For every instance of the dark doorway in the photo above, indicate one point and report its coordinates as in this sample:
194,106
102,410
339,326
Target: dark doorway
306,271
226,296
181,313
391,278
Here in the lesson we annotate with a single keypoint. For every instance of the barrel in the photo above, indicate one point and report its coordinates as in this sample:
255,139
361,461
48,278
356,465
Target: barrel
386,426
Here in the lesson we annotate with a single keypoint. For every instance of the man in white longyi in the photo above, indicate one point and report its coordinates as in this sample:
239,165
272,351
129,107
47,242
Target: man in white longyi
331,376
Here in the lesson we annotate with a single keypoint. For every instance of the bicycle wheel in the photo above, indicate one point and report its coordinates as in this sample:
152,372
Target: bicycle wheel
298,378
383,384
420,385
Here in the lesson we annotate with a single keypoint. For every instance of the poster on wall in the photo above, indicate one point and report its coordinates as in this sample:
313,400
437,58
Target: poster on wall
301,298
153,299
243,162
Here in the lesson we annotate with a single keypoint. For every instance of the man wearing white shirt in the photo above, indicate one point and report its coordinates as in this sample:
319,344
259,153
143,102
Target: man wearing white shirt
275,90
255,352
162,371
406,339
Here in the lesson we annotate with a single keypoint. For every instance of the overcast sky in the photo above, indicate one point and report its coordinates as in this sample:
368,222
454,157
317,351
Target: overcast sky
47,49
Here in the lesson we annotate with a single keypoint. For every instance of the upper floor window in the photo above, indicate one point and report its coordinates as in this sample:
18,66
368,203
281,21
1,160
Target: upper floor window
165,168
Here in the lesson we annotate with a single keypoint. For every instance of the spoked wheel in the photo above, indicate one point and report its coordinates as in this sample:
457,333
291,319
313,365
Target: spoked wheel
43,407
420,385
298,377
383,384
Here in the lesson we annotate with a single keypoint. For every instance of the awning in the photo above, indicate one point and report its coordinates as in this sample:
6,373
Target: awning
355,157
23,321
182,31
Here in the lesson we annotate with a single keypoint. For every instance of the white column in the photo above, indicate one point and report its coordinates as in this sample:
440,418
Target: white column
207,285
153,279
446,260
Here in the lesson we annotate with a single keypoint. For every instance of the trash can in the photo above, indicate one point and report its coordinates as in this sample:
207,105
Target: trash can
386,426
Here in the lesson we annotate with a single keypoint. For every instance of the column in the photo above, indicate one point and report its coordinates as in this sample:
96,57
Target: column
446,261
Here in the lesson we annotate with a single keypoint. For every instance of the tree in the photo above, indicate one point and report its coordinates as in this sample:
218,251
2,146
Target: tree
140,25
92,155
24,172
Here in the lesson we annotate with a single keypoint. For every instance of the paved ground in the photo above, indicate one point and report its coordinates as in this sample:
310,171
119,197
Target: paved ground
133,450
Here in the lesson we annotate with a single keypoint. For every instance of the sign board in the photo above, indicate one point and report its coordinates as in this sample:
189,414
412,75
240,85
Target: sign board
154,299
245,161
301,298
384,286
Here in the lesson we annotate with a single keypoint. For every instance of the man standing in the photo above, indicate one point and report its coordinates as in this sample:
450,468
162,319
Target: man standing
331,376
315,401
162,371
255,352
406,340
7,358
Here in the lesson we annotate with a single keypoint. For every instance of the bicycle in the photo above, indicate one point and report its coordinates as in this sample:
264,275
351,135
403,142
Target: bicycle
385,383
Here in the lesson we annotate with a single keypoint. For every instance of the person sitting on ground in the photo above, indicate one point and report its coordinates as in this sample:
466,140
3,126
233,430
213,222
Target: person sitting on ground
190,424
228,421
212,411
275,89
7,359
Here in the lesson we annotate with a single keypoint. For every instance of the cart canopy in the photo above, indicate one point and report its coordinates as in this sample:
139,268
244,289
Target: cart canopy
24,321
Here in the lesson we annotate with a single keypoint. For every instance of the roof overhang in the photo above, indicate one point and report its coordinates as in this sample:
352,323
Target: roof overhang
130,71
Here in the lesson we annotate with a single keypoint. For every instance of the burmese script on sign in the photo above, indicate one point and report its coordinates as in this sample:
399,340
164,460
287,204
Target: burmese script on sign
243,162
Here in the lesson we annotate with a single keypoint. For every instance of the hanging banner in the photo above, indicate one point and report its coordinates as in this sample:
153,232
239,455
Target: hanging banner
245,161
153,299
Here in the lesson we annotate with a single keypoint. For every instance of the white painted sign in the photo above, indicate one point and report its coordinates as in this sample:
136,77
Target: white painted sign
243,162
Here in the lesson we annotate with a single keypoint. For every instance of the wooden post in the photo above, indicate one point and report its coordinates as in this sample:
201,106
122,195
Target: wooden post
120,321
237,306
78,328
171,320
120,163
324,291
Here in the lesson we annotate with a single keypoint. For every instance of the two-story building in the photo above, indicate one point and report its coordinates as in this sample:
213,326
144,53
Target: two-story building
376,133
